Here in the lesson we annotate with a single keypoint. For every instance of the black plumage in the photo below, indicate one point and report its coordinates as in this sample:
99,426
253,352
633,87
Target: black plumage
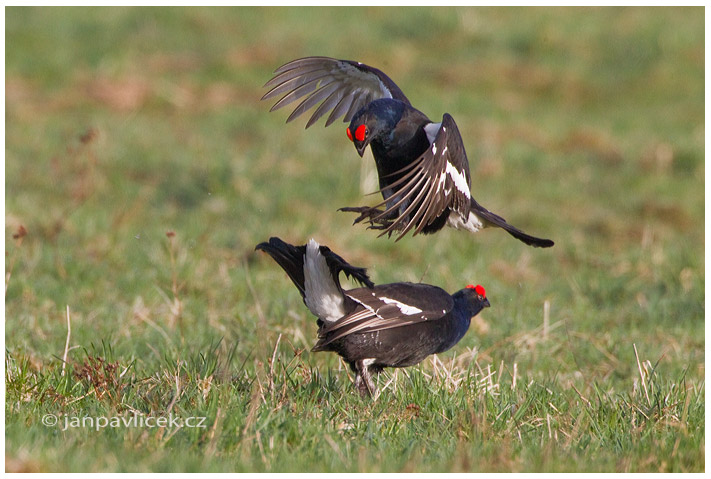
422,166
377,326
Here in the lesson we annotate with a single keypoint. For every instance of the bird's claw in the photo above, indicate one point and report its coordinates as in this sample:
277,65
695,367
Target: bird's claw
372,216
366,213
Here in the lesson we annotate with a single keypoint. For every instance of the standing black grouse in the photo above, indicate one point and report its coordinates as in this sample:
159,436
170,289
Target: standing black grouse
388,325
422,166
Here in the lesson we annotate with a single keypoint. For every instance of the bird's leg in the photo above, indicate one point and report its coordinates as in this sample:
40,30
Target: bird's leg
366,212
360,385
363,380
370,214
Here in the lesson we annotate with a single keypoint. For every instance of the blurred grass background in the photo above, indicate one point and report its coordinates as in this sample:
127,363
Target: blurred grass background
122,124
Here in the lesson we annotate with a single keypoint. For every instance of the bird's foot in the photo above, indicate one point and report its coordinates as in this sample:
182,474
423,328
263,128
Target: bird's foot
370,215
366,212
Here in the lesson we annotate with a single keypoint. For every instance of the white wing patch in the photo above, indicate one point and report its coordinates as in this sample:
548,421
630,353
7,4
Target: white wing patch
460,181
321,294
404,308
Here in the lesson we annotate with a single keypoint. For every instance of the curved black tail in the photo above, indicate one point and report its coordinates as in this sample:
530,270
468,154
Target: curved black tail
497,220
289,257
291,260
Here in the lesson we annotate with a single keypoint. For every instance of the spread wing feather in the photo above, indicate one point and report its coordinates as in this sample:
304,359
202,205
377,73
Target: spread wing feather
344,86
437,180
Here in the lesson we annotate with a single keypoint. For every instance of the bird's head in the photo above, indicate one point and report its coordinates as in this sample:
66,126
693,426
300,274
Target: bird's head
374,122
361,132
475,297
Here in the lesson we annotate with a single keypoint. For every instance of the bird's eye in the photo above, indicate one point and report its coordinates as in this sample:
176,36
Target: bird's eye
361,133
348,132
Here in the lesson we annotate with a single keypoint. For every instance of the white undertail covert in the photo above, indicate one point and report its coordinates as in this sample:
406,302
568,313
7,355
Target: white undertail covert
321,294
473,223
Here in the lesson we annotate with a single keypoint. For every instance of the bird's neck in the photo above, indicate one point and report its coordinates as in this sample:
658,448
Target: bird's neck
400,145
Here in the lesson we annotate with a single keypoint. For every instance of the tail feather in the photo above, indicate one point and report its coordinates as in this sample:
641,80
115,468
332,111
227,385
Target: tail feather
289,257
337,265
315,270
291,260
497,220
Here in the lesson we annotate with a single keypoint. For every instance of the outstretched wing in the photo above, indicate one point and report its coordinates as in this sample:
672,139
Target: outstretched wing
388,306
343,87
437,180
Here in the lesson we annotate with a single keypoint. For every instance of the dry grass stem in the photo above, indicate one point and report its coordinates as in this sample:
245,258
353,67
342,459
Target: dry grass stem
66,344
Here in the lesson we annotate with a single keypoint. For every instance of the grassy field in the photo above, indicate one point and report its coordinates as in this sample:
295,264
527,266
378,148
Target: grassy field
141,169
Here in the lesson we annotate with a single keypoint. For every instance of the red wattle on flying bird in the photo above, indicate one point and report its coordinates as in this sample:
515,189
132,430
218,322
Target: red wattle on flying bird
422,165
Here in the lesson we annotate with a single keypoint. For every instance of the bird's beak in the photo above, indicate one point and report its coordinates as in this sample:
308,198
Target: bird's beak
360,147
486,303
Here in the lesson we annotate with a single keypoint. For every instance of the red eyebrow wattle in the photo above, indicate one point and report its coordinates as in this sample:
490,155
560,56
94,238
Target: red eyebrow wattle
478,288
360,133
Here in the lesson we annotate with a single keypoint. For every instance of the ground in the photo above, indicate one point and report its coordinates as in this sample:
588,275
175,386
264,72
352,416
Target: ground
141,169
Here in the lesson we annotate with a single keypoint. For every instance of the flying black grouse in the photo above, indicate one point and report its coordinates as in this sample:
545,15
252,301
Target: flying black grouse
388,325
422,165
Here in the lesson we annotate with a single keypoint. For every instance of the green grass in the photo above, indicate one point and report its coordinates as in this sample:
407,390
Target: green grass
124,124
